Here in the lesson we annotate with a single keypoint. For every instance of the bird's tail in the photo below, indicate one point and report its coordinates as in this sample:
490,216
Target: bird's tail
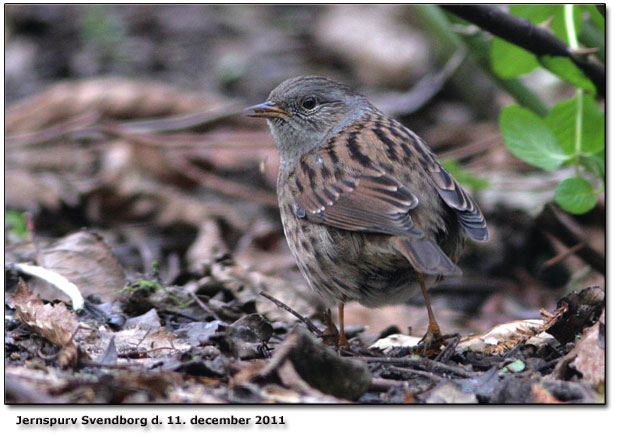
425,256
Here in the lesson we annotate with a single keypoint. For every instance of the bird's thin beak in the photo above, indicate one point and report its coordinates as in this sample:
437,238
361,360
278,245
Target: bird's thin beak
269,109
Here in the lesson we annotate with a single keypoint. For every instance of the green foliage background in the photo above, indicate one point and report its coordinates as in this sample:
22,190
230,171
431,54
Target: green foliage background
573,131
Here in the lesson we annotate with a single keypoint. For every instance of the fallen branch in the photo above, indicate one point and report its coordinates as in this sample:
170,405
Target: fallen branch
421,364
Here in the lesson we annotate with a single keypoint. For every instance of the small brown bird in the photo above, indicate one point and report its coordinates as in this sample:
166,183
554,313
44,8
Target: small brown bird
369,213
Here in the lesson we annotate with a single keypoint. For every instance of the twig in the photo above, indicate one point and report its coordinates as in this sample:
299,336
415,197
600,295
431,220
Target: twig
223,139
422,364
204,307
312,327
146,133
471,149
222,185
142,339
385,384
409,371
183,122
561,256
522,33
412,100
56,131
564,228
140,354
183,315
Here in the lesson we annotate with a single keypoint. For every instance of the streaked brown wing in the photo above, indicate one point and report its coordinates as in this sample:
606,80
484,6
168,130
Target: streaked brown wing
469,215
359,200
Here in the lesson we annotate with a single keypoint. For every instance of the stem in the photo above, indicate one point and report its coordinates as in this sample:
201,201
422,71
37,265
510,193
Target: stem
568,11
570,28
578,132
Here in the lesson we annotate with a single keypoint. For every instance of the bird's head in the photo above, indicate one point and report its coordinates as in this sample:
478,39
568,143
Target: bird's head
304,112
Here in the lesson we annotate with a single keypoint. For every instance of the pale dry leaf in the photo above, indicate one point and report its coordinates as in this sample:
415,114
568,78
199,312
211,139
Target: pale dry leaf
140,339
396,340
208,245
86,260
448,393
505,336
25,191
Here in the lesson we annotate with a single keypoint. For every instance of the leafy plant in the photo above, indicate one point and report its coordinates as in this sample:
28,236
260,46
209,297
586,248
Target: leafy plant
16,227
573,132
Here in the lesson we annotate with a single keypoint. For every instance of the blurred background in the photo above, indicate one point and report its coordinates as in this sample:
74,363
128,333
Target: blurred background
126,119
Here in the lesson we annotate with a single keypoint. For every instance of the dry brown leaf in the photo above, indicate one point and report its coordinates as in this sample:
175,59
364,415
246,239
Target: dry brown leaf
129,170
542,395
112,97
55,323
588,357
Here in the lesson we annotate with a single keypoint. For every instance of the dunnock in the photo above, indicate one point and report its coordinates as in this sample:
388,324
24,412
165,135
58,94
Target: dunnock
369,213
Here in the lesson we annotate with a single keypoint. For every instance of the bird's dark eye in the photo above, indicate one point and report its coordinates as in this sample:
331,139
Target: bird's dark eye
309,103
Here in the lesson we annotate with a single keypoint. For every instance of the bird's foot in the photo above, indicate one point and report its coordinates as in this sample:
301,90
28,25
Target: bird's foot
433,343
331,334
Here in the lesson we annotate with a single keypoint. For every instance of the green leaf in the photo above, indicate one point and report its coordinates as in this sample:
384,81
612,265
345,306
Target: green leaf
533,13
575,195
510,61
529,138
595,164
567,70
15,226
562,121
516,366
463,176
596,18
594,139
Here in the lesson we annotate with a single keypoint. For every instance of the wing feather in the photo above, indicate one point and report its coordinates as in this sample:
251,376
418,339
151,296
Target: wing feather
369,201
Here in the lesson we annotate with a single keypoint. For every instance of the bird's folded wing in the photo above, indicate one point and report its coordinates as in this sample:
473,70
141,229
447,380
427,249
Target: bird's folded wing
468,212
359,200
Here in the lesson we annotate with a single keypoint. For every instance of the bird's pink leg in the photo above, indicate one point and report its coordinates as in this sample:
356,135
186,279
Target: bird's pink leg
433,334
342,340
